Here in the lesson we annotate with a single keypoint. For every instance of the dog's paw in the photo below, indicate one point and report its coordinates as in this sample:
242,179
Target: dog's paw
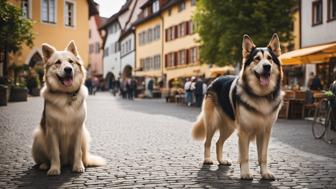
267,176
246,176
207,162
44,167
225,162
78,169
54,172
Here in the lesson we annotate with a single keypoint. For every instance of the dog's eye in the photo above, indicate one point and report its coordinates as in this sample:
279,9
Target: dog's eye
257,59
58,62
70,61
269,58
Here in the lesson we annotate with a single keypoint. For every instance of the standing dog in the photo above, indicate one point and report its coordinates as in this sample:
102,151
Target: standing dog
61,138
249,103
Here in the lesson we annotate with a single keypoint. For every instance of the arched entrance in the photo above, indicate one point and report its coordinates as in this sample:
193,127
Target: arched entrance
127,72
109,79
35,59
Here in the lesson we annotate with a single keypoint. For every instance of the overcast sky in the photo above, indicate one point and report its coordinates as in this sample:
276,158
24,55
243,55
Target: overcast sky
108,7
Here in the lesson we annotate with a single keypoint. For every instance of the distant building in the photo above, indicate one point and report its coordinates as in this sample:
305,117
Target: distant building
317,38
56,23
95,44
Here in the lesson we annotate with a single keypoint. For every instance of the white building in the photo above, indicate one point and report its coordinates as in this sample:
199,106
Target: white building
318,22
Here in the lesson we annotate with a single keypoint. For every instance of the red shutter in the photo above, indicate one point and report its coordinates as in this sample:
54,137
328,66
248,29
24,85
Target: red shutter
166,34
176,32
186,26
166,58
186,54
175,59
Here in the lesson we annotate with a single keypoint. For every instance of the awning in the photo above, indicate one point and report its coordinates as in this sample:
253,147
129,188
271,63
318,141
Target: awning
310,55
214,72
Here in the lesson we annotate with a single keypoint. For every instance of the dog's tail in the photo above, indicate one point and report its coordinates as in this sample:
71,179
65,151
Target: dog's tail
198,131
94,161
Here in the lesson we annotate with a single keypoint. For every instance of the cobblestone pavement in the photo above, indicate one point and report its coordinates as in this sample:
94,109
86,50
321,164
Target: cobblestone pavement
147,143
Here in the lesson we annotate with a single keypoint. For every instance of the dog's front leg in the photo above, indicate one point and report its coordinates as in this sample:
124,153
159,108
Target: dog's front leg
54,154
244,143
78,165
262,146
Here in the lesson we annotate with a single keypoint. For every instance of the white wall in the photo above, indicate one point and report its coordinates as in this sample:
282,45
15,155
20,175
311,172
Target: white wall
128,58
111,63
319,34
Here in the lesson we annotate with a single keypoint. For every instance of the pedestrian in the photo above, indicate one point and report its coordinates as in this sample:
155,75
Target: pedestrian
188,92
315,82
198,92
88,81
150,87
95,85
133,88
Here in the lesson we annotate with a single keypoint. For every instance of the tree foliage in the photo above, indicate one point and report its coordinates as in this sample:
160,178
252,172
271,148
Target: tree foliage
221,25
14,29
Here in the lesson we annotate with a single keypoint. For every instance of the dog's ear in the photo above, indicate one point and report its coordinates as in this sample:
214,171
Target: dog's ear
47,51
72,48
248,45
274,44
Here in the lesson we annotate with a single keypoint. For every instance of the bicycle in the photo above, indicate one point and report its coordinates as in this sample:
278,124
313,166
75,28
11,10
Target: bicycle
323,120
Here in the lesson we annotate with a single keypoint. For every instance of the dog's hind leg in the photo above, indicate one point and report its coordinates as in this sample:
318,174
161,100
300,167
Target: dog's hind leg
262,147
225,133
210,122
39,151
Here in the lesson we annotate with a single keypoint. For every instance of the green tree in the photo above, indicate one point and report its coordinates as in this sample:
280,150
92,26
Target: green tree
221,25
14,31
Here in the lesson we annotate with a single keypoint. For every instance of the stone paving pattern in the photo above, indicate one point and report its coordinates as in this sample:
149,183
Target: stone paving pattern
148,144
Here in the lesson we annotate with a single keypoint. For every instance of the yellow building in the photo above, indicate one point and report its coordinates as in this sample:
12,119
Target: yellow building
55,22
181,51
149,41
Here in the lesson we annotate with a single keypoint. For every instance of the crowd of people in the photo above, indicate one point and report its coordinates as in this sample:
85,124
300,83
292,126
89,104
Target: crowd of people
195,89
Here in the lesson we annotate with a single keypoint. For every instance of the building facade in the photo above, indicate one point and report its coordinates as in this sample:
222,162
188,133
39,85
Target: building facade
181,52
149,42
95,45
55,22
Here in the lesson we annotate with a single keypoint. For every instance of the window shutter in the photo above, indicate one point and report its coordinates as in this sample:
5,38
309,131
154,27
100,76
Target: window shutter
186,54
175,59
186,26
166,60
176,32
166,34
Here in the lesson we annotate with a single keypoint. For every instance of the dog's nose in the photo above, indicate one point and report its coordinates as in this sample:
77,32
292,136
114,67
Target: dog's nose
267,67
68,70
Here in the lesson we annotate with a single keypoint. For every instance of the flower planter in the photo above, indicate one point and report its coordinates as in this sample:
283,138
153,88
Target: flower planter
18,94
4,95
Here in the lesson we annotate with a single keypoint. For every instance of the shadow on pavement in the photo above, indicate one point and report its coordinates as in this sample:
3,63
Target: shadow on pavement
35,178
222,177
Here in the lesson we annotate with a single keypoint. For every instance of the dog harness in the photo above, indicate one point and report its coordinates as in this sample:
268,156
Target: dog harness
225,91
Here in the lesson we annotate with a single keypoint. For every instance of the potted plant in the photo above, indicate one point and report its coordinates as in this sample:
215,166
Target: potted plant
18,89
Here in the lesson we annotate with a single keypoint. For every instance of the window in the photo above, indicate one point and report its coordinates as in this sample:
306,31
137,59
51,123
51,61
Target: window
106,51
25,7
193,2
317,12
97,47
90,33
156,32
331,10
69,14
150,35
191,27
156,6
48,11
170,60
90,48
181,6
129,45
193,55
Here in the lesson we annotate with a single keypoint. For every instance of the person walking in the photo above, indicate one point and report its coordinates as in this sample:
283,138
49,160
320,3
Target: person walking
199,92
188,92
95,84
332,88
150,87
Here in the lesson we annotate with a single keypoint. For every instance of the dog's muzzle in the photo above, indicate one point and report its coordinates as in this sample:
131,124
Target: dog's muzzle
67,78
264,77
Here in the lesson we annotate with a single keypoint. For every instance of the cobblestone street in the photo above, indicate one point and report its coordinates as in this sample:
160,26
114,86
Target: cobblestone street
147,143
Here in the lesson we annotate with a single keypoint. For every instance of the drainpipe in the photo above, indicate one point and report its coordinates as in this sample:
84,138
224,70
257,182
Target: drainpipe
162,50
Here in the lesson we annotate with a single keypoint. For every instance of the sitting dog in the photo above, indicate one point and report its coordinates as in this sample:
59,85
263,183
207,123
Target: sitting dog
249,102
61,138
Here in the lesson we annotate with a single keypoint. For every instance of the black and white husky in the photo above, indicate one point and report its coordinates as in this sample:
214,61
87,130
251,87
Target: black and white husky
249,102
